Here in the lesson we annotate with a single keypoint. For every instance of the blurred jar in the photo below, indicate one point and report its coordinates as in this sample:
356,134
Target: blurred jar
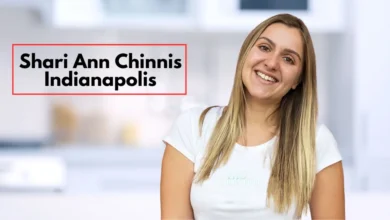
64,124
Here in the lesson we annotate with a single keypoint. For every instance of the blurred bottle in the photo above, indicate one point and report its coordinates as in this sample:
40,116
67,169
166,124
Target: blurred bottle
64,124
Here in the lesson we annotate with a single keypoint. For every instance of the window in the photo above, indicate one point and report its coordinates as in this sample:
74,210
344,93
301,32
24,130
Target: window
274,4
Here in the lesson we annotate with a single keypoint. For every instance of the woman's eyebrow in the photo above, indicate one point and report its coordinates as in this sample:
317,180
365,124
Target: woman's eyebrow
287,50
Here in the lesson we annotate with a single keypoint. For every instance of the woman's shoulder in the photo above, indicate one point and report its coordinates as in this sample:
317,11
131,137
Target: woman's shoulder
323,132
327,148
184,132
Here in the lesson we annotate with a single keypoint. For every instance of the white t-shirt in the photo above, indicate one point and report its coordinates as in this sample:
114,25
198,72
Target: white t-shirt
236,191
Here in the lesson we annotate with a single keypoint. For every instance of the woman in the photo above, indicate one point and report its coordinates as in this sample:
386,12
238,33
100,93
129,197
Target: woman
263,156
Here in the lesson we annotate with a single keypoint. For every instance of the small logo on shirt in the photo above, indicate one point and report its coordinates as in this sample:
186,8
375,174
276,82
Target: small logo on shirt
242,180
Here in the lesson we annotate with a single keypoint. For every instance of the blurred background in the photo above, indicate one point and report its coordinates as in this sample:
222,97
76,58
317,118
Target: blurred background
99,157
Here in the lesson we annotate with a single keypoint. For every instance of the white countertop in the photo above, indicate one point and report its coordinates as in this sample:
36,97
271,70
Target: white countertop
141,205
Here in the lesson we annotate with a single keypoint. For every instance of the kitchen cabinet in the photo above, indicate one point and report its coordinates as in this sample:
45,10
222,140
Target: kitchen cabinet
371,103
195,15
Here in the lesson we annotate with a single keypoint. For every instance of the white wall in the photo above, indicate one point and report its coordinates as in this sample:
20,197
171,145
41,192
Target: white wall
20,117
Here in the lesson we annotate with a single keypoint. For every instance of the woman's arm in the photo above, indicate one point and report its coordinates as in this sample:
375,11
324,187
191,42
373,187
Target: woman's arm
328,199
176,179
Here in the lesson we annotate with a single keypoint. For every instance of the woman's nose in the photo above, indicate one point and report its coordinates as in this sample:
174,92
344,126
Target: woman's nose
272,63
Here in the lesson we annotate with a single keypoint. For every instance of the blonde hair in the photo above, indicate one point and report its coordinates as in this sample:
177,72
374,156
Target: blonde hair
293,164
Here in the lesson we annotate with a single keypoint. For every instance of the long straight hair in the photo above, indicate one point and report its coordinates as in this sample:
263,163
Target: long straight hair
294,159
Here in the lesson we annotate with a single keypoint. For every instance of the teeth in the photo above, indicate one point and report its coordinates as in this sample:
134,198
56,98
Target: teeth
265,77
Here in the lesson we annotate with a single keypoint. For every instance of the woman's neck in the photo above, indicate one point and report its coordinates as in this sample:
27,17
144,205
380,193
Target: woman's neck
260,125
260,116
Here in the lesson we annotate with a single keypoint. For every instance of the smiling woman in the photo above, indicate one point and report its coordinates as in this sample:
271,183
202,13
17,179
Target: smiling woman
264,155
274,51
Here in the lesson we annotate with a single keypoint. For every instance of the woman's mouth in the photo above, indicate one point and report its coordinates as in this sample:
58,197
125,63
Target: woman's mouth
266,77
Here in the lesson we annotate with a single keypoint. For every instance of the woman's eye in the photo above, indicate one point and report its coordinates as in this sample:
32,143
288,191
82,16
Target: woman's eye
289,60
264,48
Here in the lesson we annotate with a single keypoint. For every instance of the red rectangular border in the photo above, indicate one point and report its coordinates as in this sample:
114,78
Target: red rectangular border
102,44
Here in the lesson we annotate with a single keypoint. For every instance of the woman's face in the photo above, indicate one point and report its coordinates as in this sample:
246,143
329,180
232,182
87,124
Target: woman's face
274,64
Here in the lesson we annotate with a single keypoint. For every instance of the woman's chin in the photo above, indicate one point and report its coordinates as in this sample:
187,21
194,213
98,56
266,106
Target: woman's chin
262,96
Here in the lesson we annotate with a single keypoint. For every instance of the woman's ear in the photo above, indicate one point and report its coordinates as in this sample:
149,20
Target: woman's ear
296,84
298,81
294,87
